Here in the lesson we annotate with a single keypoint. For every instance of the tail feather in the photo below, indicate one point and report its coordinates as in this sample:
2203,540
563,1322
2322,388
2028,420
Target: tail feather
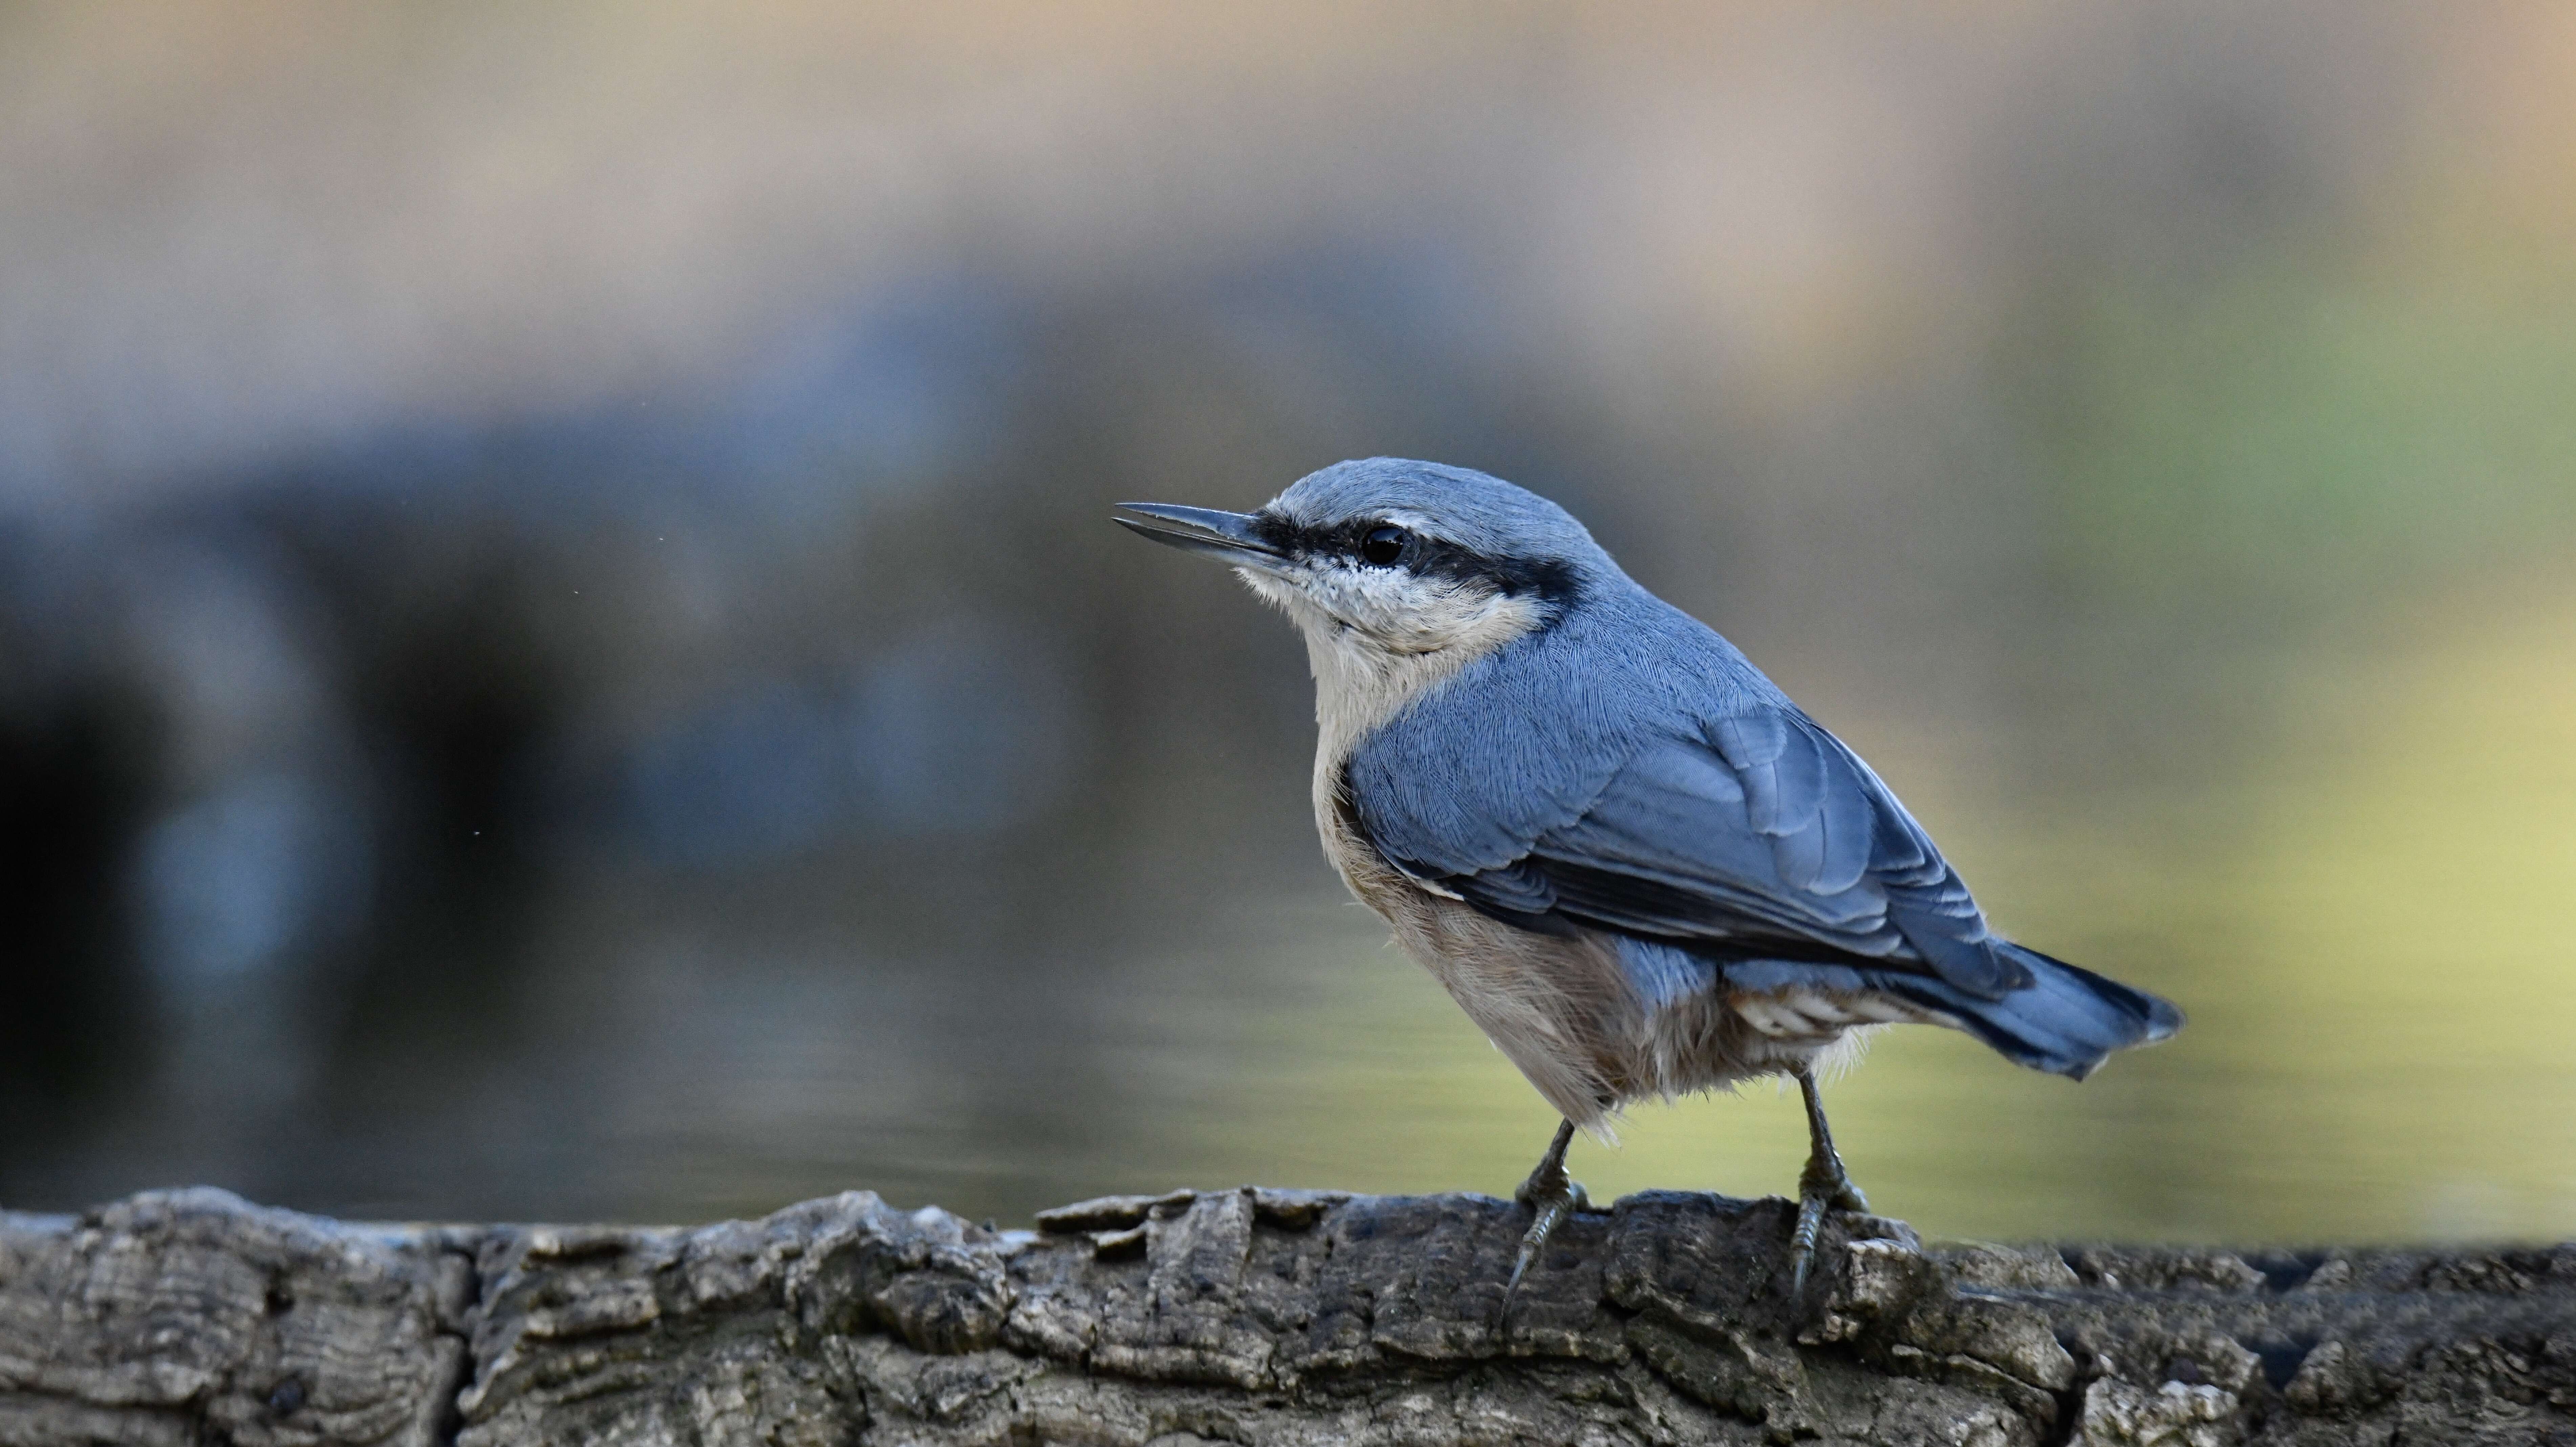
2066,1021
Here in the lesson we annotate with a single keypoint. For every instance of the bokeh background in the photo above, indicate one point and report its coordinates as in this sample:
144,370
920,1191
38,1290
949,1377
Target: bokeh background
560,654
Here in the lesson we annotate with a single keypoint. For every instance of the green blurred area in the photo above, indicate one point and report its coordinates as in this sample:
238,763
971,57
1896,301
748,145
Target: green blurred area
2315,436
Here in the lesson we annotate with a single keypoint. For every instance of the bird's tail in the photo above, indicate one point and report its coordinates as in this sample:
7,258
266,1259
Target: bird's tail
2065,1021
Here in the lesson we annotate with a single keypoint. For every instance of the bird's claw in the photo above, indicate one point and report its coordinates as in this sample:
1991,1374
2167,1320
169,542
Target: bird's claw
1802,1242
1821,1187
1553,1196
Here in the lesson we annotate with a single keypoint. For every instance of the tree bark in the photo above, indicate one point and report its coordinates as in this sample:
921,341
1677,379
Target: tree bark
1250,1316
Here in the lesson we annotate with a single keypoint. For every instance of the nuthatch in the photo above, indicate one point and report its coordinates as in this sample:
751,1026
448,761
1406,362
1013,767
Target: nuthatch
1635,864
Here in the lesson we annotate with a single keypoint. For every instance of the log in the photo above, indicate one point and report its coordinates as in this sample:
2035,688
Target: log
1248,1316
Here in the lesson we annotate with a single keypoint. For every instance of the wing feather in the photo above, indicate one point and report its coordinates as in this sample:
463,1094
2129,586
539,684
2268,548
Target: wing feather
1757,837
1628,769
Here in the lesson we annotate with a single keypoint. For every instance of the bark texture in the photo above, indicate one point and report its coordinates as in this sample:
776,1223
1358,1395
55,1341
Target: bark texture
1247,1316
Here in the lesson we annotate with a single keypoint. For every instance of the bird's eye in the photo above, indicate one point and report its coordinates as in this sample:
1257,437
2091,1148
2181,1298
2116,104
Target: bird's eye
1383,546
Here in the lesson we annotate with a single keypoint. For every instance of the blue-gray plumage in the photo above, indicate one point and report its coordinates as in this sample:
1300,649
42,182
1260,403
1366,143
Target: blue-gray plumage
1630,858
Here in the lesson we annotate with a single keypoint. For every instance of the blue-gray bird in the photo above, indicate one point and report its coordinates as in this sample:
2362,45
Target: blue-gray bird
1636,865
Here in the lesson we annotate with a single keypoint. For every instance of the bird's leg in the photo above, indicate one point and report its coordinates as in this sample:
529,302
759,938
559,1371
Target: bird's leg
1821,1185
1553,1196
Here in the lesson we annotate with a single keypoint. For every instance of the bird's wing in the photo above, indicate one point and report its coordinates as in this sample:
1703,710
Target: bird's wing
1745,834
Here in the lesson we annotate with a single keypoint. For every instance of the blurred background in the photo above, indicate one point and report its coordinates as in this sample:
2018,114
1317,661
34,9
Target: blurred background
561,655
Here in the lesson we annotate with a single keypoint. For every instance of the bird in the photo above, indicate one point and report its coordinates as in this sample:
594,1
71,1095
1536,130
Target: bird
1638,867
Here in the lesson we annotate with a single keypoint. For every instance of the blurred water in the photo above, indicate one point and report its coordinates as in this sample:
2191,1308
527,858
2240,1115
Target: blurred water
560,654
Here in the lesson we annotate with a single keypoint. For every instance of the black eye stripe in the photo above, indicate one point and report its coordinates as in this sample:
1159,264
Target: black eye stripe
1279,533
1551,580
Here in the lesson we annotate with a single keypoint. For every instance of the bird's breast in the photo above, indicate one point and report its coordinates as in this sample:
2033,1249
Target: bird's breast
1542,1000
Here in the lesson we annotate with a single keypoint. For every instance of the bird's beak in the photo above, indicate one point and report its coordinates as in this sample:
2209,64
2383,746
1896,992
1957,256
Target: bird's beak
1227,537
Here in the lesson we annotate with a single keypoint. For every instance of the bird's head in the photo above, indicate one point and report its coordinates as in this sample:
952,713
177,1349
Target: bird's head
1385,560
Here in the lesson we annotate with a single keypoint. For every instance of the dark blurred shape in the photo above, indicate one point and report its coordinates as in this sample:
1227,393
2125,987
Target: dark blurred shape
75,1028
448,694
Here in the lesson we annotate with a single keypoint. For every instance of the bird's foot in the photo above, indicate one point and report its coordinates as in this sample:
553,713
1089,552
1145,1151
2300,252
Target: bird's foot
1552,1196
1822,1186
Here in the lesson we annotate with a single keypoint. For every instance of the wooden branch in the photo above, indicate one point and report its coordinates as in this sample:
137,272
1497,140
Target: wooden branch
1252,1316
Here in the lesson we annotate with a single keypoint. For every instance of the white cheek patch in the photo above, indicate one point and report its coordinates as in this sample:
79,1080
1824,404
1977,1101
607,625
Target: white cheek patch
1396,612
1404,613
1376,638
1267,587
